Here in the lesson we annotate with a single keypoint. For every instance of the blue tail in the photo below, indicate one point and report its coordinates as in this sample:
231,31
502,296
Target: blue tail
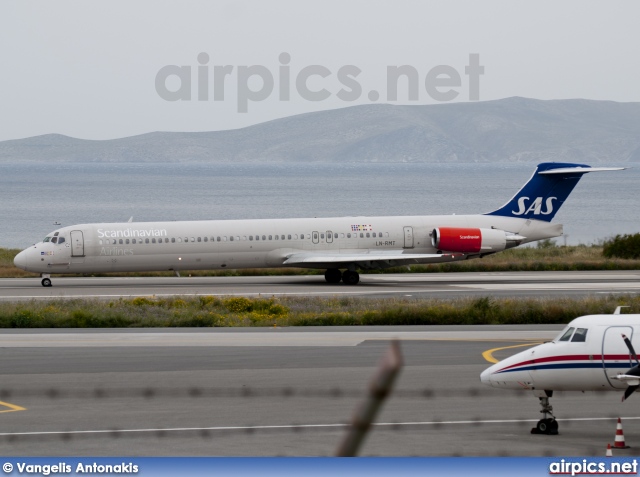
546,191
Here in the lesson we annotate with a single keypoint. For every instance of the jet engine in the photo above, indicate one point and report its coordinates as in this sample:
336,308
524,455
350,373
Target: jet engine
471,240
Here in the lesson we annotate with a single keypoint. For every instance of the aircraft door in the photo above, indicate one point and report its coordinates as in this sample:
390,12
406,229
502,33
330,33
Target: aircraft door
408,237
329,236
77,243
615,356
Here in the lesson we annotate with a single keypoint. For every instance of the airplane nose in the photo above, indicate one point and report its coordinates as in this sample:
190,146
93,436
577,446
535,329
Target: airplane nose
20,260
485,377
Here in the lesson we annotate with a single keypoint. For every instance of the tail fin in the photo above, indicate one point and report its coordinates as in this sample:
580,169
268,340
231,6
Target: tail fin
546,191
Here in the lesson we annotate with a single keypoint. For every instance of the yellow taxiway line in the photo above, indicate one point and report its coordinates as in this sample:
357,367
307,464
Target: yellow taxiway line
12,407
488,355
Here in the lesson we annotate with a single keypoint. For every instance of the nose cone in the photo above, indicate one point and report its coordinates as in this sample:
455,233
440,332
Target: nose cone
20,260
485,377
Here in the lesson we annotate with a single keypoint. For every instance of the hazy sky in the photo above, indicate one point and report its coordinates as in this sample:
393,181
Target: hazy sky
89,69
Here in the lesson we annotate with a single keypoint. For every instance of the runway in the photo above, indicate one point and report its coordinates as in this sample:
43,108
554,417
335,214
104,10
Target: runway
411,285
290,391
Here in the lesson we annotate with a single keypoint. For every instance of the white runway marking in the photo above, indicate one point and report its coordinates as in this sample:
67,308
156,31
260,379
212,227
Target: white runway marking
552,286
306,426
270,338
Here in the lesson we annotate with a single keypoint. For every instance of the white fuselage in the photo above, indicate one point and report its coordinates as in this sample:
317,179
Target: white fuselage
586,360
218,244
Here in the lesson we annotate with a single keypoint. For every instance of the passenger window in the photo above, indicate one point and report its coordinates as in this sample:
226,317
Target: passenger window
152,240
250,237
348,235
288,237
237,238
199,239
361,235
580,336
146,240
193,239
368,235
179,239
186,239
173,240
386,234
322,236
276,237
295,236
100,242
127,241
335,235
567,335
231,238
224,238
270,237
133,240
217,239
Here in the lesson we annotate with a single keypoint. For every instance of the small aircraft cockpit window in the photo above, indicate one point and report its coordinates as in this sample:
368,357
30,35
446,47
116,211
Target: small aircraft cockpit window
54,240
60,240
47,239
580,336
566,336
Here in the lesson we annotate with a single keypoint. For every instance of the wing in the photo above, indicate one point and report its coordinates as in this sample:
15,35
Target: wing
367,259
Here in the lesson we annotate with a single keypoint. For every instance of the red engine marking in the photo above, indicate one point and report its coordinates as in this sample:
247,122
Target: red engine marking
454,239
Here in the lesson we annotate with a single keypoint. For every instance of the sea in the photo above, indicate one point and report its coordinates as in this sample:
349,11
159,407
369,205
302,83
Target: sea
37,197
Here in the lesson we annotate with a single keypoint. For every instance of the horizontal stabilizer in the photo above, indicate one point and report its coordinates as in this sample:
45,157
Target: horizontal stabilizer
543,195
581,170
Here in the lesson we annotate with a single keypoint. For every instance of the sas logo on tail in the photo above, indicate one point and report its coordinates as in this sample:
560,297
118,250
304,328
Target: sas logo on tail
535,206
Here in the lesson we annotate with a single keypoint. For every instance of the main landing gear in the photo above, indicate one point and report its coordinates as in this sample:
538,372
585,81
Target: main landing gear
46,281
348,277
546,425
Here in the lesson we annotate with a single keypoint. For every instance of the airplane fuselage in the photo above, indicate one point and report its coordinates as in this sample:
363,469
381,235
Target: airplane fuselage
219,244
587,356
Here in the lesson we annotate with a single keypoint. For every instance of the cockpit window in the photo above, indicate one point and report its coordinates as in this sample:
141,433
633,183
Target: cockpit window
566,336
46,239
580,336
54,240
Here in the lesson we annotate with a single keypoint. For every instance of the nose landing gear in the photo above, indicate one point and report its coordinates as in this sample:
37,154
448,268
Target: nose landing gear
46,281
546,425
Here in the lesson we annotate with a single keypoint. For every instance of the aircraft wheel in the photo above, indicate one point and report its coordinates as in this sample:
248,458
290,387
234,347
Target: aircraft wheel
46,282
332,275
546,426
350,278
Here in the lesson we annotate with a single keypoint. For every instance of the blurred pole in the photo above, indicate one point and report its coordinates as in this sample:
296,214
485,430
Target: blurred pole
379,388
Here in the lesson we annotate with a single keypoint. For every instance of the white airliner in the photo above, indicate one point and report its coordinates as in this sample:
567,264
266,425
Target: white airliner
593,353
348,243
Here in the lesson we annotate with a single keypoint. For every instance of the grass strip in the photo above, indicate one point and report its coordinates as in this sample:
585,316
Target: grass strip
209,311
